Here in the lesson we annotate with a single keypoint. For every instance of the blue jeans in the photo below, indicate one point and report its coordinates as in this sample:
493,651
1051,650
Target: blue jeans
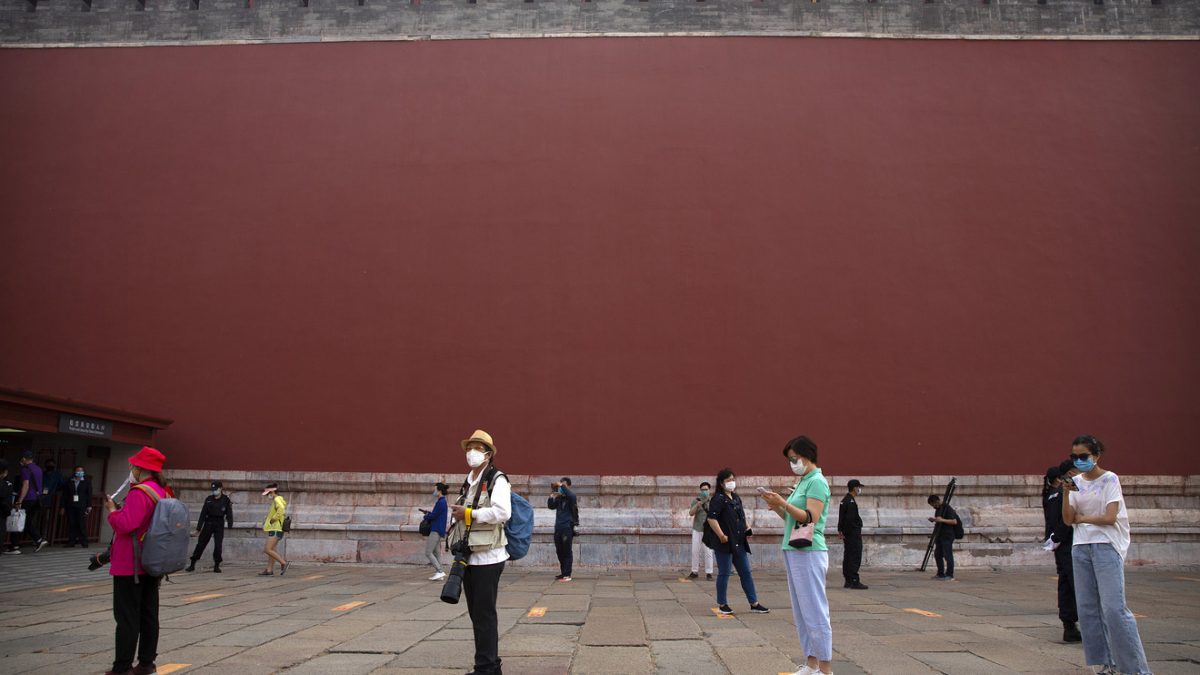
741,561
1110,633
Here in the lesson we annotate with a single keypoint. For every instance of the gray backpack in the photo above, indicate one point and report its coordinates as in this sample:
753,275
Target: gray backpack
164,547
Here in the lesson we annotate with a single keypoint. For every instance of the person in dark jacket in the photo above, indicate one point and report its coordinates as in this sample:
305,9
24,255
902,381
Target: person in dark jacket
850,530
437,530
1061,538
728,521
214,515
944,519
76,505
565,506
6,503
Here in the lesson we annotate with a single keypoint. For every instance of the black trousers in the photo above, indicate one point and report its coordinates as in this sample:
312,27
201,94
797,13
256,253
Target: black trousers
481,584
76,533
135,607
562,546
217,534
1066,584
852,558
32,511
943,549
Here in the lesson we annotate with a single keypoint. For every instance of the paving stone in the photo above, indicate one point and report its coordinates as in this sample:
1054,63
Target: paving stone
624,660
960,663
613,626
341,664
390,638
755,660
685,657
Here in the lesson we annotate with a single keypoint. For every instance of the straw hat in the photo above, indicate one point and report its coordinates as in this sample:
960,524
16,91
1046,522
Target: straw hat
481,436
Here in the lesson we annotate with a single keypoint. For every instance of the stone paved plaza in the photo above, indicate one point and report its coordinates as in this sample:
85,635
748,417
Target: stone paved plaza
335,618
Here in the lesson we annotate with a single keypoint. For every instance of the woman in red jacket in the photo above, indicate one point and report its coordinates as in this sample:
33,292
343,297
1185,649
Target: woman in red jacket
135,593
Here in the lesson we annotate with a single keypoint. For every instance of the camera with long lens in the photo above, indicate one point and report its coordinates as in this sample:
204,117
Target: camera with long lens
99,560
452,589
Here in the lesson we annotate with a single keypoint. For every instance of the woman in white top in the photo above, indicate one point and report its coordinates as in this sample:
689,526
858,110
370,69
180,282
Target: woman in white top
1096,509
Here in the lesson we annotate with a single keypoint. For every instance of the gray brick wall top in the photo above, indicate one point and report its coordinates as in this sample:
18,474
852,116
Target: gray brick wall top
145,22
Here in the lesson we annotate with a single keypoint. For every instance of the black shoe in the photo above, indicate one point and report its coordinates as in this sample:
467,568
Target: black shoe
693,575
558,577
708,577
757,608
191,567
725,609
217,569
1071,633
857,585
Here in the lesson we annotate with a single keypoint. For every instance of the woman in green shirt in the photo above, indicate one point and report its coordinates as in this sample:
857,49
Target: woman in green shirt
806,566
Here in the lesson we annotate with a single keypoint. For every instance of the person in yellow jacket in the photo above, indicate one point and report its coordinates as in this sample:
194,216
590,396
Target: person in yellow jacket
273,526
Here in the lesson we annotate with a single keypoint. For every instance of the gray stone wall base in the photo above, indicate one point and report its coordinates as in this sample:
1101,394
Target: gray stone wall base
642,521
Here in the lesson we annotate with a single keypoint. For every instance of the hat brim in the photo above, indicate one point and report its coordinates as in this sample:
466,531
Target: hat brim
478,440
268,491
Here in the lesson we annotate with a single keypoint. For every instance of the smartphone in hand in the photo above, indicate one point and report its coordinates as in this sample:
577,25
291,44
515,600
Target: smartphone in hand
762,490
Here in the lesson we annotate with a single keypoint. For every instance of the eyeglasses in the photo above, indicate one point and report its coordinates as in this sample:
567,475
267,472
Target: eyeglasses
1083,457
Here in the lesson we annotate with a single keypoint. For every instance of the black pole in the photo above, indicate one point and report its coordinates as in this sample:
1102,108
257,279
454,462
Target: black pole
937,527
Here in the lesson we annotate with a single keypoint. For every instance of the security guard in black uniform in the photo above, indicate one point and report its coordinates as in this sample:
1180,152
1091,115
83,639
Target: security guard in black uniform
1063,536
217,511
850,530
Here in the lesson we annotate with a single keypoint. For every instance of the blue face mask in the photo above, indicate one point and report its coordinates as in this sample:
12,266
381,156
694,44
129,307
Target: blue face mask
1085,466
79,475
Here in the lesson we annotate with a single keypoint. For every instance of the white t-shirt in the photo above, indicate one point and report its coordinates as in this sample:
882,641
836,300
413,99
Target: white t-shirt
1092,499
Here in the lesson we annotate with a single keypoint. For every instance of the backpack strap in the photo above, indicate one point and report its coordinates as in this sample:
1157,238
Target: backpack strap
137,541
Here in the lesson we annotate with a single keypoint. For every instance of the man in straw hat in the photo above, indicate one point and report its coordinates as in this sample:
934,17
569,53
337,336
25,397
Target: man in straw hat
481,580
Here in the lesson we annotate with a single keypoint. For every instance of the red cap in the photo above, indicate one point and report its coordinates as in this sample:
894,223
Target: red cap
148,458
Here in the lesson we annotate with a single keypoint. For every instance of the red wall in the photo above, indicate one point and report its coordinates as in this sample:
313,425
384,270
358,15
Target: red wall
650,256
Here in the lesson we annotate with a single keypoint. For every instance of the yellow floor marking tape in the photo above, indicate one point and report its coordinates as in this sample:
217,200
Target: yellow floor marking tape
535,612
208,596
922,612
720,615
64,589
313,576
1187,578
349,606
166,668
1138,616
685,580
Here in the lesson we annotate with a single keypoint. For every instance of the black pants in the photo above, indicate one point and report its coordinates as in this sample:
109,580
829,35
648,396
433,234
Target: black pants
135,607
32,511
852,558
217,534
1066,584
562,546
481,584
943,549
76,533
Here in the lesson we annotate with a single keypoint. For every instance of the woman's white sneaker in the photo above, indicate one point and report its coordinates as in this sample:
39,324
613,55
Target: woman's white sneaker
438,576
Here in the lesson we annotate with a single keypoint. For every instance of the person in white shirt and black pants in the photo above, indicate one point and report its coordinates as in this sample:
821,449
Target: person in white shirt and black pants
481,581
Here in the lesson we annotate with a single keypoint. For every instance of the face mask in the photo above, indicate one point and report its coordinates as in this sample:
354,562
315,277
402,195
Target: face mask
704,493
562,490
217,493
475,458
730,485
132,478
1085,466
799,468
79,475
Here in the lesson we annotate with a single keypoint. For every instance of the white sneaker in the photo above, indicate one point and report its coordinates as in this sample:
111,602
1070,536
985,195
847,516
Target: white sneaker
438,576
804,670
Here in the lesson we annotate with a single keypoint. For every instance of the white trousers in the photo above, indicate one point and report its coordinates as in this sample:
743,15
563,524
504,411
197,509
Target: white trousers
698,547
810,608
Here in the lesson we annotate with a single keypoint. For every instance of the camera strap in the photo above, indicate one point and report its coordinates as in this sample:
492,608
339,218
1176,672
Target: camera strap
488,475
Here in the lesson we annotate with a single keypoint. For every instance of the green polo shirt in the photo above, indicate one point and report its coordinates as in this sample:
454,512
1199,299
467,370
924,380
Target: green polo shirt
812,486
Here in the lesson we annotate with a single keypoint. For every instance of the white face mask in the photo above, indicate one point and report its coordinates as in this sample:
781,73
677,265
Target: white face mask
475,458
730,485
216,493
798,467
132,478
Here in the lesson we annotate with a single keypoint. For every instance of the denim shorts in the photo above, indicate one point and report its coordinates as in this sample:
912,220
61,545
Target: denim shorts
275,534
